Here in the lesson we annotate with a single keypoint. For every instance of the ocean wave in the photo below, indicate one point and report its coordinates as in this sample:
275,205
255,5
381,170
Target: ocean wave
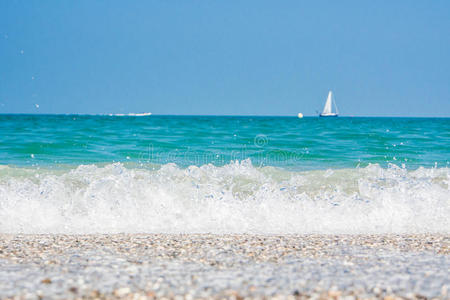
235,198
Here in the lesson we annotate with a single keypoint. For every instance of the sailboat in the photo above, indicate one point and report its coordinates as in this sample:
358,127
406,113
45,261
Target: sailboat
327,109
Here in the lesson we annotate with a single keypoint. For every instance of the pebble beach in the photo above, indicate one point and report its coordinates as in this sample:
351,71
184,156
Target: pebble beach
193,266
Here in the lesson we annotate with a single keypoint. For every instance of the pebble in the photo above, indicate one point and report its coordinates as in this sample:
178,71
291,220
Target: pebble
122,292
193,266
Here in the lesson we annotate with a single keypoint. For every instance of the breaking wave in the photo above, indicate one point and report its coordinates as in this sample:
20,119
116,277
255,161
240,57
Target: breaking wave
235,198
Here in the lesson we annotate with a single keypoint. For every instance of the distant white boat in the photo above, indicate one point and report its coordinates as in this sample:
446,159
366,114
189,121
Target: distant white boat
140,114
132,115
327,109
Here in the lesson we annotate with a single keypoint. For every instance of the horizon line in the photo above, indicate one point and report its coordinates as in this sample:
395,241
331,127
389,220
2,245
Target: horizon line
216,115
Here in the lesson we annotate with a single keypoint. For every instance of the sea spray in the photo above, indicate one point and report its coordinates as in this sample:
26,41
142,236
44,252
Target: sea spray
235,198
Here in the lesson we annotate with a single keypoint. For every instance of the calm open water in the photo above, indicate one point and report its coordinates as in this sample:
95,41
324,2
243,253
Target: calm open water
288,142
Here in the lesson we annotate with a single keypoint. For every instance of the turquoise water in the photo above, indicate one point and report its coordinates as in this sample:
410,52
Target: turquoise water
185,174
288,142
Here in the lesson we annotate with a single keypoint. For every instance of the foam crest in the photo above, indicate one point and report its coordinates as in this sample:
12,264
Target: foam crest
235,198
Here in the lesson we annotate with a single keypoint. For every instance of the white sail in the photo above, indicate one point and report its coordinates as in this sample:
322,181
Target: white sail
327,107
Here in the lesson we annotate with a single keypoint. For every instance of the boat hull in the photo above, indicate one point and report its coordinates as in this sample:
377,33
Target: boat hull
328,115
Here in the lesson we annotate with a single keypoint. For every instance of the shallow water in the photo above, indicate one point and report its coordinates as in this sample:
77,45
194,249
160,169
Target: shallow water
82,174
308,143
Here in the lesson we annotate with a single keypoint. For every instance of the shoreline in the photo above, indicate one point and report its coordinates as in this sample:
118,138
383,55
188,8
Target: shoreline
187,266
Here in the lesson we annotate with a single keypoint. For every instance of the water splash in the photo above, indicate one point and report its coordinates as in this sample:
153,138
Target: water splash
235,198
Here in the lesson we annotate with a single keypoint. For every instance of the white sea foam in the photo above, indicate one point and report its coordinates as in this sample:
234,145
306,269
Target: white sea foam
235,198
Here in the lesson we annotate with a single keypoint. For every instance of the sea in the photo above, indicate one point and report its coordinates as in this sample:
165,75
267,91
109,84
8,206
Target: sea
223,174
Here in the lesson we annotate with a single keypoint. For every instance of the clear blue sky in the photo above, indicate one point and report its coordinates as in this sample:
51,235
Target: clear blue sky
381,58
